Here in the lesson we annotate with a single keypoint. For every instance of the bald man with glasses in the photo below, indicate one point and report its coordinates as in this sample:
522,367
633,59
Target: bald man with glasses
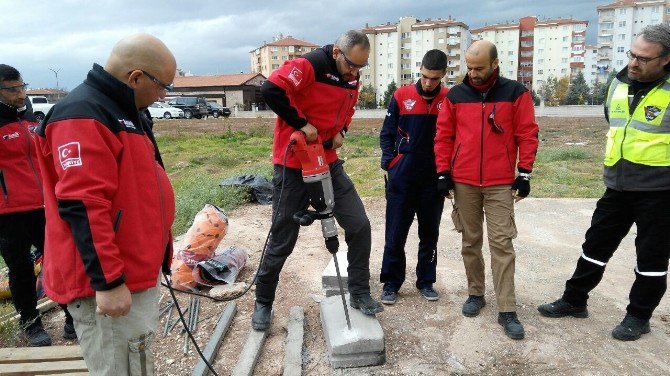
109,206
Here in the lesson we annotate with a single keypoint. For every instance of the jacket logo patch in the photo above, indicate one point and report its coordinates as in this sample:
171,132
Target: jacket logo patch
295,76
9,136
333,77
409,104
439,105
69,155
127,123
651,112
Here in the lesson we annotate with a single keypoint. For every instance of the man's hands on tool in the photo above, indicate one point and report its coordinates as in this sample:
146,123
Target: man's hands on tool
115,302
445,185
521,186
310,132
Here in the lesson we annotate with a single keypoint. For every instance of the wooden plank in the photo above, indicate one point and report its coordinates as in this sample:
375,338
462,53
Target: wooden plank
43,354
43,305
43,368
214,343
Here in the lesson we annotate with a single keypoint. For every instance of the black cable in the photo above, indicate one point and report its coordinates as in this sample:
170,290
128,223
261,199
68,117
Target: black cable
172,290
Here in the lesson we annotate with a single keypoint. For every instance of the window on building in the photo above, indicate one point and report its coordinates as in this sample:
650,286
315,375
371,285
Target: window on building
275,66
622,23
417,64
511,73
622,36
510,53
274,57
655,9
620,49
619,63
564,60
565,49
390,76
565,39
622,10
541,40
440,41
367,76
564,71
540,51
540,61
284,57
390,65
540,71
274,49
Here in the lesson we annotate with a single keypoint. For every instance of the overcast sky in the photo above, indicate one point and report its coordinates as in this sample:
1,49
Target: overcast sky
215,37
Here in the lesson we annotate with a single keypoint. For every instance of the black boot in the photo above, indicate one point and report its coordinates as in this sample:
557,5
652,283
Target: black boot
510,322
365,303
631,328
262,317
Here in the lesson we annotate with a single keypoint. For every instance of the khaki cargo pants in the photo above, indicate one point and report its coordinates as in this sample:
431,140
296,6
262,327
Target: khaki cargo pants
117,346
496,203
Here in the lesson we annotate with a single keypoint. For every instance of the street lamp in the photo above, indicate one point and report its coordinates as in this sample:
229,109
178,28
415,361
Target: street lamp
56,73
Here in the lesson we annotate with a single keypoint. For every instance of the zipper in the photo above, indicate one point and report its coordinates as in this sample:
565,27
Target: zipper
481,160
337,117
4,186
453,161
30,160
117,219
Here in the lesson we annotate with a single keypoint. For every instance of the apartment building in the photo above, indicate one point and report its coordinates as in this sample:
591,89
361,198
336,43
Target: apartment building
559,47
533,50
591,65
396,50
270,56
618,24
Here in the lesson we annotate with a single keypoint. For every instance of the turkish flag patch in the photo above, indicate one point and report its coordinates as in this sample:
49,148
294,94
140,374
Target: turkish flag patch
69,155
295,76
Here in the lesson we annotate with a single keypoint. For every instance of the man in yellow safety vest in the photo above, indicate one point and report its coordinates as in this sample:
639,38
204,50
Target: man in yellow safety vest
637,177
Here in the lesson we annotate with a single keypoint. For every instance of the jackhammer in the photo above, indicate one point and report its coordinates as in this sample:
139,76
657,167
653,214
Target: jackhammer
316,175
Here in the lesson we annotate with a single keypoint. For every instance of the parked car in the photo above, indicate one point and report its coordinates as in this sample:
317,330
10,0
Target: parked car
41,106
162,110
216,110
192,106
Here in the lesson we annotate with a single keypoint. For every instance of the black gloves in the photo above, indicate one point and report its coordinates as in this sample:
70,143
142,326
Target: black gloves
521,184
444,183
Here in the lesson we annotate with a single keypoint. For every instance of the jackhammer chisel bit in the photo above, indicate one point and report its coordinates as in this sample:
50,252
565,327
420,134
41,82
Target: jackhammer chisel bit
344,300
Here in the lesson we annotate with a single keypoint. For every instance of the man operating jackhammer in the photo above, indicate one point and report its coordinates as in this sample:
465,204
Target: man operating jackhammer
315,94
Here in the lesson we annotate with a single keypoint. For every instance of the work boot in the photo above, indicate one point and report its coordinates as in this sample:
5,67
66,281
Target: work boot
473,305
68,331
389,296
262,317
510,322
429,293
365,303
631,328
561,308
37,336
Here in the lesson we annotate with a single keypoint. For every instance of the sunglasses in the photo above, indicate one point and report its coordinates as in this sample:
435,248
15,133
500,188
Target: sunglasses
166,87
15,88
351,64
495,127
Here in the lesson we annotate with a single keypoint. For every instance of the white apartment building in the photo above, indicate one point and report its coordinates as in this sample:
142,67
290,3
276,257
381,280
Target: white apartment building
396,50
506,38
559,47
270,56
618,24
591,65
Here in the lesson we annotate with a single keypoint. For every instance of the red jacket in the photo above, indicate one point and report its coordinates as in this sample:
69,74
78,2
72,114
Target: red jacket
109,204
20,182
466,143
309,90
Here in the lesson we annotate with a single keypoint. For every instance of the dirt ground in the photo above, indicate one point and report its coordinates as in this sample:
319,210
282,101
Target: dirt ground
433,338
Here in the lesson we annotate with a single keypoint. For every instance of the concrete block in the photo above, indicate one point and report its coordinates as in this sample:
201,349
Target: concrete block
250,353
329,276
214,343
363,345
294,341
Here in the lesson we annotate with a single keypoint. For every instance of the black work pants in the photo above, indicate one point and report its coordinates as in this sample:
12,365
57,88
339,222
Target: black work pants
406,195
614,215
349,213
18,232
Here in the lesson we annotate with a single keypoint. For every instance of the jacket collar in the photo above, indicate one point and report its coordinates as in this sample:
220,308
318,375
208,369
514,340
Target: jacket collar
117,91
431,94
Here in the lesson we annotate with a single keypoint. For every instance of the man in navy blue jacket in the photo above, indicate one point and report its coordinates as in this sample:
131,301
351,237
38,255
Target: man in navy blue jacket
408,156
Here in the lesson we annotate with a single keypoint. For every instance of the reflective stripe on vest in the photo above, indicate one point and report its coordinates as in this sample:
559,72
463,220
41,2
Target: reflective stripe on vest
644,137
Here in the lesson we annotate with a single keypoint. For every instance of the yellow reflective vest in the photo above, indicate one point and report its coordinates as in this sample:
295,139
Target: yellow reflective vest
642,137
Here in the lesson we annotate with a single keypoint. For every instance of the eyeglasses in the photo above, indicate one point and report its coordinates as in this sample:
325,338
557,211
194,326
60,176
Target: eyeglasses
15,88
641,59
166,87
495,128
351,64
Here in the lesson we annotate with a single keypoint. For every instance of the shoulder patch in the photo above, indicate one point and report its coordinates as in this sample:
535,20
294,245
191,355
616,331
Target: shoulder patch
69,155
409,104
295,76
651,112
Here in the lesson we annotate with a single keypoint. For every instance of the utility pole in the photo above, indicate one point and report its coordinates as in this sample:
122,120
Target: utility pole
56,73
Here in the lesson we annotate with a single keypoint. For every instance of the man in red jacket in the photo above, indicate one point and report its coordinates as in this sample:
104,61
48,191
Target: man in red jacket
109,206
21,204
485,123
315,94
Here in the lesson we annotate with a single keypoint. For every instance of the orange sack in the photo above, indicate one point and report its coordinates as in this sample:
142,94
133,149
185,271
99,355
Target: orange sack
199,244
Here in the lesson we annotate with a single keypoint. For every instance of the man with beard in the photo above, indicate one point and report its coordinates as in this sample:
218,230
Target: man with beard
487,128
637,177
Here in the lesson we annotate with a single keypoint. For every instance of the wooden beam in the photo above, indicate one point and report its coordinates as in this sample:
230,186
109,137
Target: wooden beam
43,368
43,354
